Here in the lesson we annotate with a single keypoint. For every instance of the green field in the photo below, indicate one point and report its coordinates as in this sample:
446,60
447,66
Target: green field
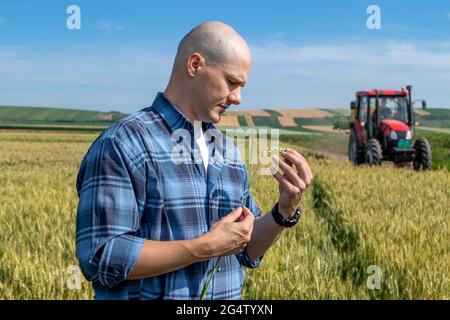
439,118
354,219
54,116
337,145
29,117
332,143
440,146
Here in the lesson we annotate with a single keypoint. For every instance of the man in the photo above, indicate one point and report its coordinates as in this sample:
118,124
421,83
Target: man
150,226
385,110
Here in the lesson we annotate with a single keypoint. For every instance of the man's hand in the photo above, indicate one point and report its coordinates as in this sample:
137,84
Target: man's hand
292,183
231,234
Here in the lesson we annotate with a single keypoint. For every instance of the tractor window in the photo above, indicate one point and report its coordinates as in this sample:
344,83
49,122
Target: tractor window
373,104
393,108
363,109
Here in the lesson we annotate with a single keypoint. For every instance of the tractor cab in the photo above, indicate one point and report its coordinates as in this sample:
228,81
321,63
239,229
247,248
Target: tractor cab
392,125
393,108
382,128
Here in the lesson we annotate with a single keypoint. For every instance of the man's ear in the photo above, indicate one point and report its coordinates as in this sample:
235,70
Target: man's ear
195,63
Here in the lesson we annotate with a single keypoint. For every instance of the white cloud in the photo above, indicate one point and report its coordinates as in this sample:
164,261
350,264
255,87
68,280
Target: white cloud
110,26
399,53
329,75
322,75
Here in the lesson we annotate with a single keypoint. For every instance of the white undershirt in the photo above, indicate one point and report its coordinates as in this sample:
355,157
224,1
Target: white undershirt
201,143
199,139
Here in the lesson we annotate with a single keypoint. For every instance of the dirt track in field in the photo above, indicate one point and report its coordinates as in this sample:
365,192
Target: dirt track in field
321,128
287,122
304,113
256,113
229,121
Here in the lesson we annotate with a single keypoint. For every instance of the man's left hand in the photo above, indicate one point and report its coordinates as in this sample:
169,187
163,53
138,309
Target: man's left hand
293,182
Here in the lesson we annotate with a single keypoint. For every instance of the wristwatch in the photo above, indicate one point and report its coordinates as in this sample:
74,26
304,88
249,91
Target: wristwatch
281,221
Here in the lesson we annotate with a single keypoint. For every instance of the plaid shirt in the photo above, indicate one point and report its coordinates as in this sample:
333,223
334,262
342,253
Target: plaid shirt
137,182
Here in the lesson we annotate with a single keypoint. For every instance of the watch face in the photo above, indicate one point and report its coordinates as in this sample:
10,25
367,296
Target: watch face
291,222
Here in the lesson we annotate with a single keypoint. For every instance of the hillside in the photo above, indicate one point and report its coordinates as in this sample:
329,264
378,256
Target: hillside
10,115
321,120
300,121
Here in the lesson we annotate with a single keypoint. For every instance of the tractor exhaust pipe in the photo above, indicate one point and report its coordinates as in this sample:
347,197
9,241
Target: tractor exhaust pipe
410,107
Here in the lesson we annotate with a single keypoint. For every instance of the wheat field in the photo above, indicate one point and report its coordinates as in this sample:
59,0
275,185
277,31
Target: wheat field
355,219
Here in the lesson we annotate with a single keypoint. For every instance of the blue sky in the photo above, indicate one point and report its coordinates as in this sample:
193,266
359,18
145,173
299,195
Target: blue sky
306,53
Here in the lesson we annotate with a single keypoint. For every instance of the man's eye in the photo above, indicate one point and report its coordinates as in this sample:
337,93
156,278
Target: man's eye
231,82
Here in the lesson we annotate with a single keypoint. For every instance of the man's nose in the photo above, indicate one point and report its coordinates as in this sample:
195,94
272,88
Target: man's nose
235,96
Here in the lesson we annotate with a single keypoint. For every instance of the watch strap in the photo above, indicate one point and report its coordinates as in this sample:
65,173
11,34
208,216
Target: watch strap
281,221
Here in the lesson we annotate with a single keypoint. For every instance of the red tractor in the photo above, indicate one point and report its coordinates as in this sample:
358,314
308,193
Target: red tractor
382,128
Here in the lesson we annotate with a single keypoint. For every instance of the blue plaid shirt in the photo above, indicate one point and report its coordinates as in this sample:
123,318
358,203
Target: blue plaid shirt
143,179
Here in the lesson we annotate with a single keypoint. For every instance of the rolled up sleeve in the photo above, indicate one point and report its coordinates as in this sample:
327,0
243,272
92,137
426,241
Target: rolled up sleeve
118,258
111,192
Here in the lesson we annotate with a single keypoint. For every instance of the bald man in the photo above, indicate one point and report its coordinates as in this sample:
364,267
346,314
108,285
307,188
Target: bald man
150,224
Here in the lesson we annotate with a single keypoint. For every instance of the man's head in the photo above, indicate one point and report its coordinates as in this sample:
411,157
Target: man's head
212,64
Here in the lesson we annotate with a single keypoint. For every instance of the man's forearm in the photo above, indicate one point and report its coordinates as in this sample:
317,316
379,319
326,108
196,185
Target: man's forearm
265,233
160,257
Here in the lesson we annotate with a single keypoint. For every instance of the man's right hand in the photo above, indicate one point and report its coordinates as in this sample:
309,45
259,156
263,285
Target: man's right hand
231,234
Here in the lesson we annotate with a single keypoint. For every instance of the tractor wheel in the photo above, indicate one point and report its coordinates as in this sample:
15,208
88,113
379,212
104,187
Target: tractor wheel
354,153
423,154
374,154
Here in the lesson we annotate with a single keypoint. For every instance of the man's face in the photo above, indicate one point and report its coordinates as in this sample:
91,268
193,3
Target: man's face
218,87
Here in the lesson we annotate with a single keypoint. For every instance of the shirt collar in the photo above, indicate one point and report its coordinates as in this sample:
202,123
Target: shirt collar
172,116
